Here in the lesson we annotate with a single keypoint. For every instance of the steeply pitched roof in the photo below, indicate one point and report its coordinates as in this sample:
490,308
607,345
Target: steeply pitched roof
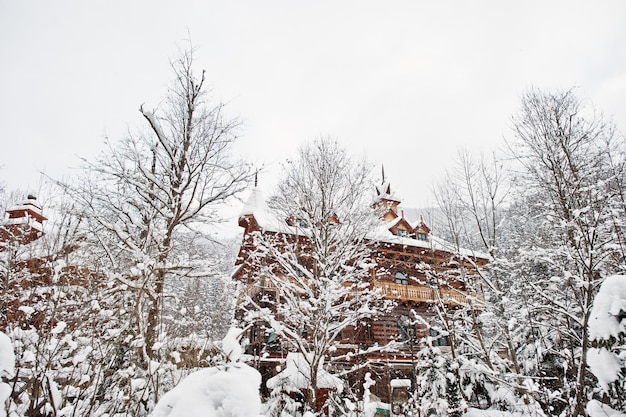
383,192
257,207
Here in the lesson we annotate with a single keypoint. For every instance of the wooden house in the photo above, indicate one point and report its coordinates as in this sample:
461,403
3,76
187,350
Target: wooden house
413,267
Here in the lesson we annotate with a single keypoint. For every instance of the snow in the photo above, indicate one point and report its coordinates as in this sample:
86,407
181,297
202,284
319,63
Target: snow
475,412
229,391
611,299
605,322
596,409
257,207
7,357
28,221
59,327
605,365
383,191
371,403
26,205
230,345
255,204
26,309
397,383
7,368
297,373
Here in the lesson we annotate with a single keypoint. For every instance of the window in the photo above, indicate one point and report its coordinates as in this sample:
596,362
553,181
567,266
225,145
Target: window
438,338
403,233
301,223
401,278
334,322
406,331
368,329
422,236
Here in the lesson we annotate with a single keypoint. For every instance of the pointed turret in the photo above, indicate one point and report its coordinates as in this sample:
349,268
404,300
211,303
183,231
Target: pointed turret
385,200
255,208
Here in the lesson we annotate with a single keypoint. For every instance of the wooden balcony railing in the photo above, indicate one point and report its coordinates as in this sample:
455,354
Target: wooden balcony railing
416,293
424,294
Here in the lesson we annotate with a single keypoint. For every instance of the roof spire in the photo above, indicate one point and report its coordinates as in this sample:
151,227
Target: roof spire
256,178
383,169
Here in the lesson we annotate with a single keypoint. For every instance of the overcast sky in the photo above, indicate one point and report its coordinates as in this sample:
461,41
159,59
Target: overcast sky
405,83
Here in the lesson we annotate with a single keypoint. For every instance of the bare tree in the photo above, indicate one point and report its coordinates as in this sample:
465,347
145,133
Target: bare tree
573,166
474,198
152,192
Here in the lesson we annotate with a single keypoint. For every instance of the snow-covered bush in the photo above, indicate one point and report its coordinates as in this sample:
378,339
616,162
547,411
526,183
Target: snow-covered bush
7,369
228,390
607,331
231,390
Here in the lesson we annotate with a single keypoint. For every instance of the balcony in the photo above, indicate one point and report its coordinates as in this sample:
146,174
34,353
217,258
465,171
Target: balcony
424,294
404,292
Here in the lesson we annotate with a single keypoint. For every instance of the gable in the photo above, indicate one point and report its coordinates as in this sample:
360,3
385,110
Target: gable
402,228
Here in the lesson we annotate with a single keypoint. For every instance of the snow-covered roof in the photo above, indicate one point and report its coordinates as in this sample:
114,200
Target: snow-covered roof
383,234
391,223
256,206
29,205
397,383
24,206
383,192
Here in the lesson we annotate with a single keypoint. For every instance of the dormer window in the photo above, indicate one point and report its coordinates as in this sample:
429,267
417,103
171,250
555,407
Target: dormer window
422,236
301,223
403,233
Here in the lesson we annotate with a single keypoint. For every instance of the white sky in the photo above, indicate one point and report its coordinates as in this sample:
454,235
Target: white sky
403,82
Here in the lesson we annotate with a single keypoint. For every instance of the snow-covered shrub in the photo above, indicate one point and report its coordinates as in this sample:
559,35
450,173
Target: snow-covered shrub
607,330
228,390
231,390
7,369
